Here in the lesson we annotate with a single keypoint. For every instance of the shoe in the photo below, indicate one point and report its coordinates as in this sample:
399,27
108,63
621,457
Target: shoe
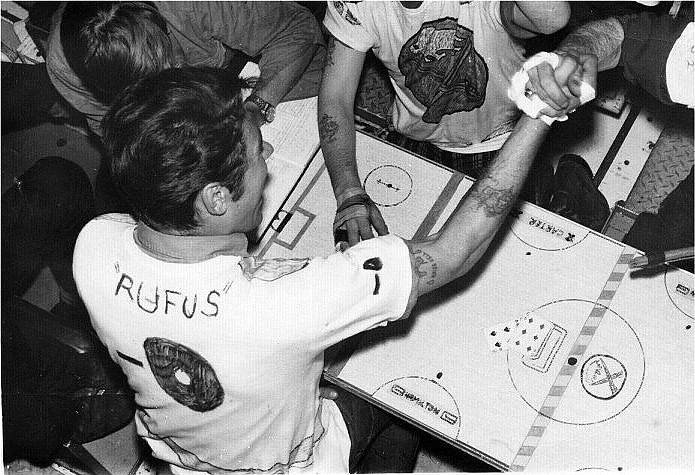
576,196
540,184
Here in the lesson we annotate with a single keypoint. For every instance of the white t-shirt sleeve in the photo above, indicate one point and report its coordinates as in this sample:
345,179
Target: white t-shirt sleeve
680,68
343,21
346,293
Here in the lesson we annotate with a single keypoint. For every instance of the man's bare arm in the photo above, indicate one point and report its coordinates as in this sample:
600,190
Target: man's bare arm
463,240
592,47
602,38
526,19
275,88
341,76
337,132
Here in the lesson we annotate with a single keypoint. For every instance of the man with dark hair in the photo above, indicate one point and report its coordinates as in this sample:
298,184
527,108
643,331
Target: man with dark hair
191,142
223,350
96,49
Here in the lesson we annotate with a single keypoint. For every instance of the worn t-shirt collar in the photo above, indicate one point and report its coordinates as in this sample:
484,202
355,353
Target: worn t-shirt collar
188,249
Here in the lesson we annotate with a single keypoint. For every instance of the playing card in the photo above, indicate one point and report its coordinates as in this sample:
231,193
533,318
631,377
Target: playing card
529,334
498,335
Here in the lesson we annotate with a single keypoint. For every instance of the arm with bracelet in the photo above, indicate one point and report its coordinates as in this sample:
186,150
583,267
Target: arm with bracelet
354,204
356,213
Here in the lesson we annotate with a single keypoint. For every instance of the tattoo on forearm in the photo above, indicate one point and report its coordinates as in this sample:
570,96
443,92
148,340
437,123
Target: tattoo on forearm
328,127
425,266
330,61
602,38
494,200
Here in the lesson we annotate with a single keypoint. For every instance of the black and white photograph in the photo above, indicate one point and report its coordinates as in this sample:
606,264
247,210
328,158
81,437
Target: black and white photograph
371,236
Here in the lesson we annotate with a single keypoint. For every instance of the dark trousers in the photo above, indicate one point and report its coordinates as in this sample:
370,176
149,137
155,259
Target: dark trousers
27,95
42,215
380,443
671,227
471,164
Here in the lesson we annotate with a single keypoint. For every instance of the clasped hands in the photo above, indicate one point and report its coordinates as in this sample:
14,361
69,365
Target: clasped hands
560,88
563,88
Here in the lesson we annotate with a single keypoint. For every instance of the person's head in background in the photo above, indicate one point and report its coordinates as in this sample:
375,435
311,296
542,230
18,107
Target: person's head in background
113,44
185,155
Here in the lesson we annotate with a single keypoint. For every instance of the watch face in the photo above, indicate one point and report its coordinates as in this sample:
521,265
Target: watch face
269,113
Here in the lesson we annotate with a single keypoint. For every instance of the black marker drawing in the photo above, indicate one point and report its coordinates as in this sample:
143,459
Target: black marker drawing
183,374
388,185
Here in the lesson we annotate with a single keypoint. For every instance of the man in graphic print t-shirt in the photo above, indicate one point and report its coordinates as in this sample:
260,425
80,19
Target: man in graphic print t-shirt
449,63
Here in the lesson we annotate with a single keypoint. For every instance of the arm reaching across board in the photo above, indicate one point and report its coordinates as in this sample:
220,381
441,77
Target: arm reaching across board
454,250
356,213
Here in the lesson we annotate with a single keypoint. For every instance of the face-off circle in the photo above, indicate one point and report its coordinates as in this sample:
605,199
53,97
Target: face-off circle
680,288
605,379
427,400
388,185
603,376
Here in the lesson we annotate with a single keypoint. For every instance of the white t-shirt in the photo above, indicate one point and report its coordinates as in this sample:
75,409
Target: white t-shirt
225,354
680,68
450,64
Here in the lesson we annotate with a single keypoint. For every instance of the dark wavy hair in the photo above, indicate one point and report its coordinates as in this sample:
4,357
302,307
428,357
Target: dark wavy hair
172,133
110,45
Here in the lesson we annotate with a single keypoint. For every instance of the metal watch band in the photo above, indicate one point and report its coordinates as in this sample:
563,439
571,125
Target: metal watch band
267,109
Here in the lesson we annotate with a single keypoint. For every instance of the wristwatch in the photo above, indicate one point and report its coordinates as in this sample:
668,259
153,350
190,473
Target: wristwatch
267,109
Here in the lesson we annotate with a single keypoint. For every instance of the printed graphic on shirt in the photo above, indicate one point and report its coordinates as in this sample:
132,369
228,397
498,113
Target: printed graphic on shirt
345,12
183,374
270,269
443,70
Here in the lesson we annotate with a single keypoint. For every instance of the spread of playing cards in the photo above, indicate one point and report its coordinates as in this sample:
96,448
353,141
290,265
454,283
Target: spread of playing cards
550,354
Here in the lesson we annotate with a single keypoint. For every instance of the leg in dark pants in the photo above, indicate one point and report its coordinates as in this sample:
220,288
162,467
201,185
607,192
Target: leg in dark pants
380,443
42,215
27,96
671,227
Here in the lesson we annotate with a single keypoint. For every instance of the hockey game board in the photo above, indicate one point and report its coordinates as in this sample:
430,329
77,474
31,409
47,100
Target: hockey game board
609,384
